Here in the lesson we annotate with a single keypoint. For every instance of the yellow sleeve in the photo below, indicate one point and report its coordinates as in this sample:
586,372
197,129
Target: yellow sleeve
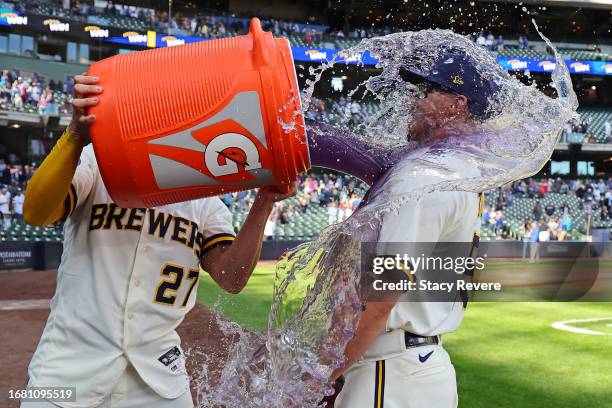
49,197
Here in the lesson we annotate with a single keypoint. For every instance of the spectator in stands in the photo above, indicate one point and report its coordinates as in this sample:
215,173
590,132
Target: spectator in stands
35,92
5,201
221,31
332,213
553,228
534,242
485,215
68,86
285,212
270,227
492,216
227,199
5,173
567,131
607,126
556,185
537,211
596,194
499,44
565,208
601,185
16,173
543,188
314,196
519,188
16,98
355,202
588,194
481,40
500,218
531,188
45,101
526,230
604,214
549,209
544,234
303,203
490,42
18,206
567,224
308,38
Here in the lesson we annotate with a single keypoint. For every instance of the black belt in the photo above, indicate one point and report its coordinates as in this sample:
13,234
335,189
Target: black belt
413,340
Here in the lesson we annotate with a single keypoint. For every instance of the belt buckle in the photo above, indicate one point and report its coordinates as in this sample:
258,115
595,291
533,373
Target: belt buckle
413,340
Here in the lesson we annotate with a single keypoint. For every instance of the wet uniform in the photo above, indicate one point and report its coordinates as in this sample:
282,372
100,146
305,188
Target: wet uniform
407,366
126,280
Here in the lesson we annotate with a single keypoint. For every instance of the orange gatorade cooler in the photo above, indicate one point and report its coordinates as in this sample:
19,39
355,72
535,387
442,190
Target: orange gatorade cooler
196,120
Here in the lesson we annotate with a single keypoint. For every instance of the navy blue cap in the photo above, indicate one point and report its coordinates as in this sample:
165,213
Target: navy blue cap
457,72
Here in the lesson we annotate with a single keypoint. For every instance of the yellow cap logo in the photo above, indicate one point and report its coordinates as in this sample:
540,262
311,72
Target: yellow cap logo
457,80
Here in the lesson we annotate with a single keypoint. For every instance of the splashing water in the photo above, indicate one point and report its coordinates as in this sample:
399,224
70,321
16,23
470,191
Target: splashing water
316,298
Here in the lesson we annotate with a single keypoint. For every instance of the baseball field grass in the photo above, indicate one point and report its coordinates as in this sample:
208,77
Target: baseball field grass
505,354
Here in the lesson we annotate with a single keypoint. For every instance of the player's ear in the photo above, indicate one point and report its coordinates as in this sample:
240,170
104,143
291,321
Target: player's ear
461,102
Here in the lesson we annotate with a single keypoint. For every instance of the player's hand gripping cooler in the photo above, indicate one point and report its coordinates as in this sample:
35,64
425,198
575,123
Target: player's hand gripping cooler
202,119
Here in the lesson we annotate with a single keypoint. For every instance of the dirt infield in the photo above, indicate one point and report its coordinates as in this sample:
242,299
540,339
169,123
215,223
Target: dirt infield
22,322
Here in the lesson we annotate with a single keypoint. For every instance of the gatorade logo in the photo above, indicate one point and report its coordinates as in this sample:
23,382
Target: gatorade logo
224,146
229,148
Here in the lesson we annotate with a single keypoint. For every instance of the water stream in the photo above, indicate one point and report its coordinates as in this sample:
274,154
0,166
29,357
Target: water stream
316,294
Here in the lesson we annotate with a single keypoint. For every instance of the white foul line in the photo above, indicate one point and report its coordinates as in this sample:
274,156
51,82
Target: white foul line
565,326
31,304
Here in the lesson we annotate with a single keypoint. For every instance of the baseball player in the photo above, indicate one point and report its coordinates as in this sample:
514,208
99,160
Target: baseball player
127,276
396,358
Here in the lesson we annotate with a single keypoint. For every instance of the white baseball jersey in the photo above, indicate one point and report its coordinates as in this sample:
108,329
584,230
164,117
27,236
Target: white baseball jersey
126,280
389,374
5,199
444,216
449,216
18,203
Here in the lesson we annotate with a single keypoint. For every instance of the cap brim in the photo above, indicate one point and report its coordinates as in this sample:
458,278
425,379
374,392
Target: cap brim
412,76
